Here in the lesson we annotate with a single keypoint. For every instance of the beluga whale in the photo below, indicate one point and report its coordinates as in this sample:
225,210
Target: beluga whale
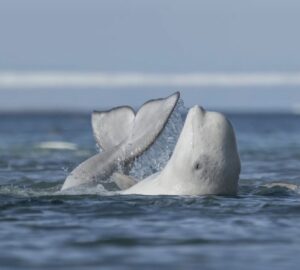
123,135
205,160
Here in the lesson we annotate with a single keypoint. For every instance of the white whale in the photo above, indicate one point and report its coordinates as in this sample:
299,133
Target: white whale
122,135
205,160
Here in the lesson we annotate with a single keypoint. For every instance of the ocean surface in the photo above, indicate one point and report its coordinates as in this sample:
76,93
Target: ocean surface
41,228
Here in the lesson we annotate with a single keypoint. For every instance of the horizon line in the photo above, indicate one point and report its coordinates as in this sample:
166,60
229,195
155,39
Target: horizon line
73,79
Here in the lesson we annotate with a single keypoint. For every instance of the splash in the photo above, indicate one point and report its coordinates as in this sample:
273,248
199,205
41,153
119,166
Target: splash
156,157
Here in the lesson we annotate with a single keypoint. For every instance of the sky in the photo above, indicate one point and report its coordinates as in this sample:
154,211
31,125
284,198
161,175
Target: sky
149,38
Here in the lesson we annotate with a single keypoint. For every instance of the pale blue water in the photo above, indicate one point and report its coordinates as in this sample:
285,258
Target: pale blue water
258,229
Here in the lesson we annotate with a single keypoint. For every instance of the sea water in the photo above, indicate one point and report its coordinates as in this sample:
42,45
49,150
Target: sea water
41,228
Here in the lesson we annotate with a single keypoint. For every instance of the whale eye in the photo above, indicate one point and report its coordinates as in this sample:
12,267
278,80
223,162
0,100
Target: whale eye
197,166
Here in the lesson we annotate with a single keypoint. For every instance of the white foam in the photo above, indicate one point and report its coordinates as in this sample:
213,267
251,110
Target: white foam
57,145
98,79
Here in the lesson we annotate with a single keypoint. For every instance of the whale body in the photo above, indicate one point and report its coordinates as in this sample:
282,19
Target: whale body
123,135
205,160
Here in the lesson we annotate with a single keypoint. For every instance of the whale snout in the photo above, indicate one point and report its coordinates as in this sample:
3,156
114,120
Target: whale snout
196,111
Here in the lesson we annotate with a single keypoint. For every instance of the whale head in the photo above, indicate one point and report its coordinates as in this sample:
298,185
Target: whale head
205,159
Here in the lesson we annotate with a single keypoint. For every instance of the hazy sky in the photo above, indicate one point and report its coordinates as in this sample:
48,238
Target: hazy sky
157,36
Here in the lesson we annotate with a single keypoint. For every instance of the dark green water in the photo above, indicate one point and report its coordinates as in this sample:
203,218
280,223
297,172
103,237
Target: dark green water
39,229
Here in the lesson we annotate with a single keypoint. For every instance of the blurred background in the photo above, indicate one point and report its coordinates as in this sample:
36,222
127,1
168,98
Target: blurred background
82,55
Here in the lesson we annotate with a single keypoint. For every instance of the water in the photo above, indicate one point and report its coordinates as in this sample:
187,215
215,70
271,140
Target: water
42,229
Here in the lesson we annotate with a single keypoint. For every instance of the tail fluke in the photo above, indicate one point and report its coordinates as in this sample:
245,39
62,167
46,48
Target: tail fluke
123,135
119,125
